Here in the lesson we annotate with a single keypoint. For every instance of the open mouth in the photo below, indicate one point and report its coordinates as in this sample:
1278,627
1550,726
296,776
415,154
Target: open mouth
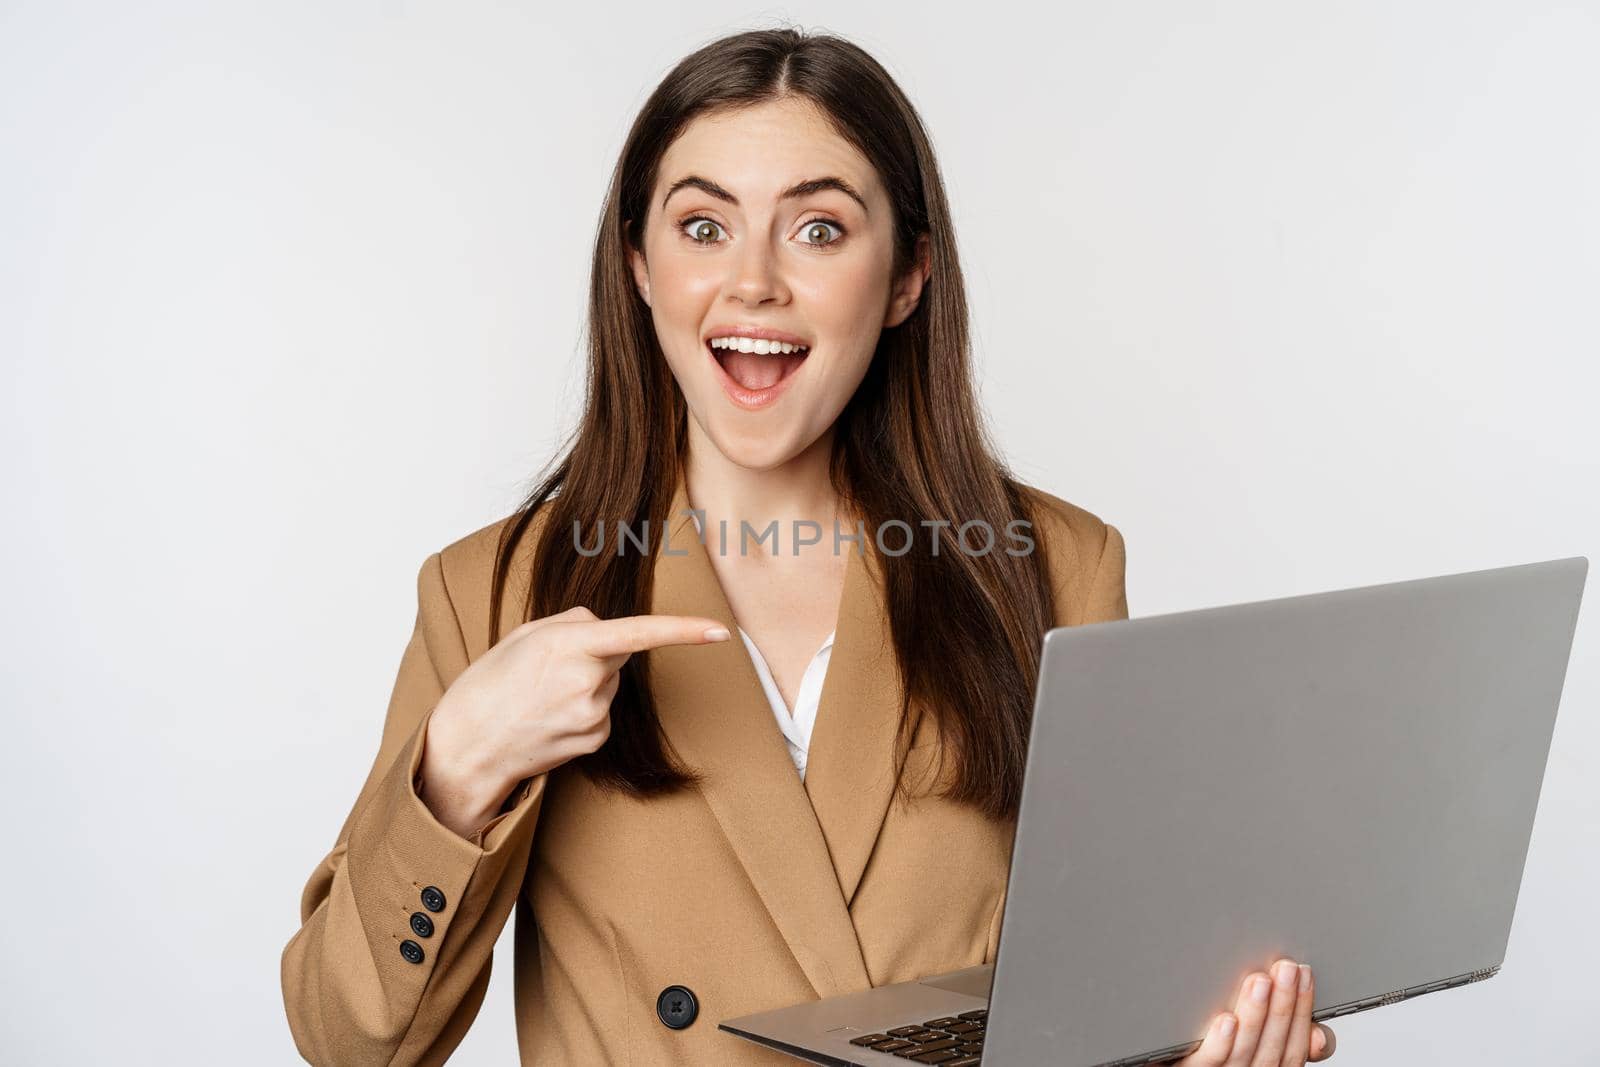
756,371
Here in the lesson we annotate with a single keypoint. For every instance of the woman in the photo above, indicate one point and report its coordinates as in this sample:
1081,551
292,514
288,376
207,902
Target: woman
573,732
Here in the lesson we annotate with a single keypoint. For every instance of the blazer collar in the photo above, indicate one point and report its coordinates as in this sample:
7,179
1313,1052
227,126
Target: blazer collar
804,845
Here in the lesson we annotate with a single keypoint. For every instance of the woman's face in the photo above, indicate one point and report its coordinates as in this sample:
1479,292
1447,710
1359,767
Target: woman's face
734,243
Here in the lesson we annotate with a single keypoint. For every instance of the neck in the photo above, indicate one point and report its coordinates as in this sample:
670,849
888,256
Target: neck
797,490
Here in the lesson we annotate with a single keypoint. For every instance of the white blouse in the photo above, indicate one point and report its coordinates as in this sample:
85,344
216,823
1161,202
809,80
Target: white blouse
796,727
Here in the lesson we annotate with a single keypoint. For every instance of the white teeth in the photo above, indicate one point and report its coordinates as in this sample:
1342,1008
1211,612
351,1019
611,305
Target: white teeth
758,346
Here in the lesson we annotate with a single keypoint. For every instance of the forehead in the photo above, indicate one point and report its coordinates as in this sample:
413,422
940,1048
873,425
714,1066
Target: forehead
757,151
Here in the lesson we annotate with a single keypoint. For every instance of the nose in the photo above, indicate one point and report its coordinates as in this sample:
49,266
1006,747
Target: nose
755,274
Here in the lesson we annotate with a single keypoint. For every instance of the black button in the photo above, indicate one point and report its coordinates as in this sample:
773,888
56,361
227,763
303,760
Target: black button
421,924
677,1007
432,899
411,951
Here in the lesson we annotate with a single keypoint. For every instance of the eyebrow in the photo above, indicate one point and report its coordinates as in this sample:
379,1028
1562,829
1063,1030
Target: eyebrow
798,189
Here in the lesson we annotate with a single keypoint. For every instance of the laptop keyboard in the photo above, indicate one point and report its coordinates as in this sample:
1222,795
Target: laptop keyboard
952,1040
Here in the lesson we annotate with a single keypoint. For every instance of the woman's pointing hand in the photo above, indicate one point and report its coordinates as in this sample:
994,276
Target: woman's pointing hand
538,698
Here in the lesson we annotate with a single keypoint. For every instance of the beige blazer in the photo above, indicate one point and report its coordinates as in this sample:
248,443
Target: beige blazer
757,891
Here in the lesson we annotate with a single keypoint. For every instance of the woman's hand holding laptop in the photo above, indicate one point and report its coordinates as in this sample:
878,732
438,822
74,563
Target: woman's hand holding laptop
1270,1025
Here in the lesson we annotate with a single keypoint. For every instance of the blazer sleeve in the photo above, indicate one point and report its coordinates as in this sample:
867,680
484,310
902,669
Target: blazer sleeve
1108,592
351,996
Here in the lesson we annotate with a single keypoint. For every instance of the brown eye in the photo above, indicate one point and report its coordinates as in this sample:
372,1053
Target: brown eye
819,228
701,230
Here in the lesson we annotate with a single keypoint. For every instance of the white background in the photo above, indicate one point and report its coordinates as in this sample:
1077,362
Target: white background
1300,296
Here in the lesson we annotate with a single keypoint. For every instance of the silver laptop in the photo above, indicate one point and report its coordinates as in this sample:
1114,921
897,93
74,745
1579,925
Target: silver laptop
1345,778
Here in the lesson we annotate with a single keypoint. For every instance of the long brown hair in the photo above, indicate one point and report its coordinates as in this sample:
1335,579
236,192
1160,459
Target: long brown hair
910,445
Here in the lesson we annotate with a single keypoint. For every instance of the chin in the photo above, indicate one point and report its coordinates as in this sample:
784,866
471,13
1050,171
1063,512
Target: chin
753,452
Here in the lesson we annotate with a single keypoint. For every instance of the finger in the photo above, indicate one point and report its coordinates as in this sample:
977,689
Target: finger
1324,1049
597,736
1275,1031
1299,1047
1251,1008
570,615
637,633
1218,1042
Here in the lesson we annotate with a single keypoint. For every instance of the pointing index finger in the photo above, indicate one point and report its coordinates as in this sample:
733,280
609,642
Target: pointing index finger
638,633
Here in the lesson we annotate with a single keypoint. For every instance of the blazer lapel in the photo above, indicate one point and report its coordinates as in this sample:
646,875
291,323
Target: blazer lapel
715,715
852,767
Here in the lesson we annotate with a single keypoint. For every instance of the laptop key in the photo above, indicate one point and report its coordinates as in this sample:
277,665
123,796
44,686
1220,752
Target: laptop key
944,1056
936,1046
902,1031
916,1051
894,1046
967,1046
981,1013
963,1028
939,1024
870,1039
924,1036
